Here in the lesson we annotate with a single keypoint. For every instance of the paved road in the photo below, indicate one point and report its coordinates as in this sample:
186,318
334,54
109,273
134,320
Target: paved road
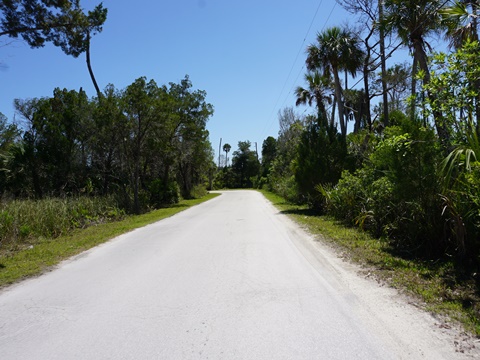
229,279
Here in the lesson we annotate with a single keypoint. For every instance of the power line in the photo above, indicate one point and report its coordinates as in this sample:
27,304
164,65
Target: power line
292,67
301,47
362,77
303,67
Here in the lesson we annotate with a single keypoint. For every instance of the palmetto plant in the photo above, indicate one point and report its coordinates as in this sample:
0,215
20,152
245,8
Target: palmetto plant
463,156
461,196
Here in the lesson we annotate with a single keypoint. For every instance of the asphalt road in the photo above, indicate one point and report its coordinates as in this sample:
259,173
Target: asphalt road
228,279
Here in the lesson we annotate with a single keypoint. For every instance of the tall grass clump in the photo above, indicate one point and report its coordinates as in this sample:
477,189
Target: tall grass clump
22,221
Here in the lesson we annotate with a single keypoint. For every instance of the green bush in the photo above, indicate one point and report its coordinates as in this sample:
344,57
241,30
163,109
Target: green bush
396,192
461,204
321,157
199,191
286,187
162,194
347,200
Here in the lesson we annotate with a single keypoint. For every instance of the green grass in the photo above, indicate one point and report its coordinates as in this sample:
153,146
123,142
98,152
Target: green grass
19,262
437,285
24,220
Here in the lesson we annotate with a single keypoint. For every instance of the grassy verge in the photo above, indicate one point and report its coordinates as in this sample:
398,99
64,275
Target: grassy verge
437,285
19,263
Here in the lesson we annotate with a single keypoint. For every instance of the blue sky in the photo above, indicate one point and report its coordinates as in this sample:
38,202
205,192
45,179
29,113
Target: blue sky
242,53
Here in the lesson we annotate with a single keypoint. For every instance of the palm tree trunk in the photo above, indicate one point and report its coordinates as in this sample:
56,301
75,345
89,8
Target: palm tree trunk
334,108
341,110
366,84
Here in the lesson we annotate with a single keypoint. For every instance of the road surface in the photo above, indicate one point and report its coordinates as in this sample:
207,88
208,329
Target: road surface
229,279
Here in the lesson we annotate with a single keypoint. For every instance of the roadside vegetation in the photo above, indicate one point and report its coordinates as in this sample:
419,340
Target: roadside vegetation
437,286
61,234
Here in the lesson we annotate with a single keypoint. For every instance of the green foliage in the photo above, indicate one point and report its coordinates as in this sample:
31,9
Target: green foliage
360,146
337,49
281,179
199,191
395,193
119,144
224,179
455,82
460,19
21,220
245,165
269,152
64,23
162,194
320,159
318,91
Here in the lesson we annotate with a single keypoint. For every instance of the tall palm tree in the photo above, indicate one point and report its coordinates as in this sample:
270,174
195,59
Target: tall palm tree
226,148
413,21
318,86
337,49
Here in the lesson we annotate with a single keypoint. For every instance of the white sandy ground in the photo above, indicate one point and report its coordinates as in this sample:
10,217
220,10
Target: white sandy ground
405,326
229,279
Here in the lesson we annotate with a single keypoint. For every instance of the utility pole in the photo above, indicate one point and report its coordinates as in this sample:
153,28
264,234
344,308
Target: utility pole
219,152
384,65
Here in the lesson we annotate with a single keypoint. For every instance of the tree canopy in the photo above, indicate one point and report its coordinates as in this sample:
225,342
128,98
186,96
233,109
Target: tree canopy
64,23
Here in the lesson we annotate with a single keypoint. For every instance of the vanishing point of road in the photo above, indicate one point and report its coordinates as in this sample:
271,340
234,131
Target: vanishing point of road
231,278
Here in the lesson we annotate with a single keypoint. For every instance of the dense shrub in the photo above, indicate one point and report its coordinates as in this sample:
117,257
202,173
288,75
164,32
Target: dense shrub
286,187
162,193
320,159
199,191
23,219
461,209
396,192
224,178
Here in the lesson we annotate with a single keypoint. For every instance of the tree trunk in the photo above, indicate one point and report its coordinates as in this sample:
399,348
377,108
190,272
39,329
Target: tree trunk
332,118
89,66
366,85
341,110
136,182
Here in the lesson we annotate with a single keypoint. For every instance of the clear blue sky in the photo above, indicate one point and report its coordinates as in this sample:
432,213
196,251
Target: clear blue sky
242,53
